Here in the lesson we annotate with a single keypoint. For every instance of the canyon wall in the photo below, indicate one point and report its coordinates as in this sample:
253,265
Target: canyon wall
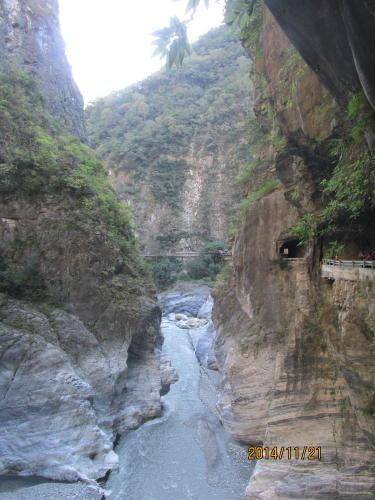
335,39
30,38
296,351
80,341
174,144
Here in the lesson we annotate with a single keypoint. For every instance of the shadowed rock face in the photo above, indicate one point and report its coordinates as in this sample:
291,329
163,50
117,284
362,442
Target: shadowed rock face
335,38
295,350
30,40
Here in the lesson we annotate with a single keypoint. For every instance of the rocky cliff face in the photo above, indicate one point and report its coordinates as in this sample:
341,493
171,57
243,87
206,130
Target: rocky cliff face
335,39
80,342
295,350
30,38
174,144
206,202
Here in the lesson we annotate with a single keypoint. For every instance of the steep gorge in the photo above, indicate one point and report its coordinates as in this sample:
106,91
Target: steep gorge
76,303
80,339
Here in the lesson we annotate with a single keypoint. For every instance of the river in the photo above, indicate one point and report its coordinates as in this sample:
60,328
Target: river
186,454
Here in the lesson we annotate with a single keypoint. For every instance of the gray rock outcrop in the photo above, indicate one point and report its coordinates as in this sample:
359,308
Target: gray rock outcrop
187,299
64,395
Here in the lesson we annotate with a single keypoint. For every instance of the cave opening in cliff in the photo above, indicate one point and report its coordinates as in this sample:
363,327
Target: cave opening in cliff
291,249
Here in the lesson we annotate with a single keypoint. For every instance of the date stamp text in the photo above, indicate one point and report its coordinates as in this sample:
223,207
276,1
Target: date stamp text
284,453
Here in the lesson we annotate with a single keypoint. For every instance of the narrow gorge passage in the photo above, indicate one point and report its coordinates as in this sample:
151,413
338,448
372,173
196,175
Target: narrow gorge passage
186,454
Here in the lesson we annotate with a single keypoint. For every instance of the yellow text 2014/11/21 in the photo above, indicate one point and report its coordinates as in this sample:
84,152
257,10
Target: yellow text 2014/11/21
284,453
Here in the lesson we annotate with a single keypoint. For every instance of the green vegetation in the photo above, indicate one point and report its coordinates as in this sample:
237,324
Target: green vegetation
225,272
209,262
166,272
356,104
147,130
22,282
167,181
306,228
209,266
295,196
245,17
248,171
292,73
38,158
348,189
205,268
170,239
172,42
266,187
334,250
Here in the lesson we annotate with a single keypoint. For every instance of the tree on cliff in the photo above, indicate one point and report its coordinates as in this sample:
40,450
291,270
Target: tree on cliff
172,42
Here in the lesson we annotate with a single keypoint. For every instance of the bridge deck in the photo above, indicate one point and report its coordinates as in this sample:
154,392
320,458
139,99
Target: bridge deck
179,255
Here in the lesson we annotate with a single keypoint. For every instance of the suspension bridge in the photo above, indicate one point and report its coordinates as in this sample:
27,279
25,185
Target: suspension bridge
226,255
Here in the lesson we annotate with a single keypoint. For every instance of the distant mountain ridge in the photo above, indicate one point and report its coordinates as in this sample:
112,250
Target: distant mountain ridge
174,144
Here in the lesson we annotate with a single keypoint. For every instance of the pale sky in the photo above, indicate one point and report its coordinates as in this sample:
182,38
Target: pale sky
109,42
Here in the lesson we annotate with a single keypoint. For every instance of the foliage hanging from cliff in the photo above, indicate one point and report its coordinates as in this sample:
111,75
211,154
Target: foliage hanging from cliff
350,190
172,42
21,282
245,17
38,158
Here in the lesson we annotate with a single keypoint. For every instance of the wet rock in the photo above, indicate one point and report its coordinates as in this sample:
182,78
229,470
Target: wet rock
180,317
204,347
187,299
64,396
206,310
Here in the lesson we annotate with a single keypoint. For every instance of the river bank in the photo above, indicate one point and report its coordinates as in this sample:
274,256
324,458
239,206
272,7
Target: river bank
185,454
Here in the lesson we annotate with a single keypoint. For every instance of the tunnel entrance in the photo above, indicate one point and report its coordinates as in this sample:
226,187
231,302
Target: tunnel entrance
290,249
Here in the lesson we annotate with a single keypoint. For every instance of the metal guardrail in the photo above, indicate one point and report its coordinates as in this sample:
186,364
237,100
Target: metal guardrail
366,264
